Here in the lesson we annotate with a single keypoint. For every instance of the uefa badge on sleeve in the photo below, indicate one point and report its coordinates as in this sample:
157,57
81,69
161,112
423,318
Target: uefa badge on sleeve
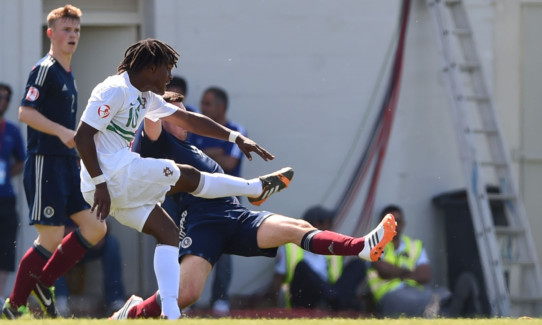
32,94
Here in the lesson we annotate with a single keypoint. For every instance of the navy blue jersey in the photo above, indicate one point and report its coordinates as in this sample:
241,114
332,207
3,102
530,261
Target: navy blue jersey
51,90
182,152
230,148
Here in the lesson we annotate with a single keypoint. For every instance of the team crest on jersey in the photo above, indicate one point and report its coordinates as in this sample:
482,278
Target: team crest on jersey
103,111
168,172
32,94
186,242
48,211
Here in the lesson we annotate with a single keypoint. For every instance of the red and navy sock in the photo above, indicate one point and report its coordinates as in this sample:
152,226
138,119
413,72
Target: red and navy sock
29,270
70,251
331,243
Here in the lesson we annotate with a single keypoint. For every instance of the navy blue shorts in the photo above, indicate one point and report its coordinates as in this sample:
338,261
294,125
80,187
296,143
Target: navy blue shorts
209,233
53,189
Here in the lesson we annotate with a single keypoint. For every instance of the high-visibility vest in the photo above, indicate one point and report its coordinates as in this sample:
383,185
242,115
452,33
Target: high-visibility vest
294,254
406,259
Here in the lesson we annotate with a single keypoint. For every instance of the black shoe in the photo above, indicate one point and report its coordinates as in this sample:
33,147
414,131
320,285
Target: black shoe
9,313
273,183
46,299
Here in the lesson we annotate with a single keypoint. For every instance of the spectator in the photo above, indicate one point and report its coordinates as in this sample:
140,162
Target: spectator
309,280
214,104
399,281
12,154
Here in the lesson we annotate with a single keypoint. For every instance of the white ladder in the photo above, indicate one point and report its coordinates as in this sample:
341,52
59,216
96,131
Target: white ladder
507,252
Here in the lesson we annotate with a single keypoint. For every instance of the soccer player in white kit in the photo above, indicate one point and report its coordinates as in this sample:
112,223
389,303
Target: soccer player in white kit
119,182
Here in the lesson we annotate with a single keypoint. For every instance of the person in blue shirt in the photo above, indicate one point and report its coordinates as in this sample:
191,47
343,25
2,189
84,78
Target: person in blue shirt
12,156
51,171
214,104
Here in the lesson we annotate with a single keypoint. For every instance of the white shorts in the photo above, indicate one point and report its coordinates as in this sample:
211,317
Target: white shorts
137,188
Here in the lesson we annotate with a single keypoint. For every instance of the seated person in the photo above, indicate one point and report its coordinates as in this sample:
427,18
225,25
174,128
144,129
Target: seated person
399,280
310,280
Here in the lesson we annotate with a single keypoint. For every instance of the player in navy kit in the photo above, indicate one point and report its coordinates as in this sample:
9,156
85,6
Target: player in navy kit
212,227
51,171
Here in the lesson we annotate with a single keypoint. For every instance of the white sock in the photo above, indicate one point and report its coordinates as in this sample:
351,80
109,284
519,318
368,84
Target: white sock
222,185
167,270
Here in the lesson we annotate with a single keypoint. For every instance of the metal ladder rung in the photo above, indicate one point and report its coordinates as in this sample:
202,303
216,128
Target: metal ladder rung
462,32
477,98
503,230
501,197
493,164
509,262
452,2
523,299
469,66
482,131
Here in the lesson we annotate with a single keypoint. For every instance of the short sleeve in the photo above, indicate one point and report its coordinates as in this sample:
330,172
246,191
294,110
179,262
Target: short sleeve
158,108
423,259
102,106
36,87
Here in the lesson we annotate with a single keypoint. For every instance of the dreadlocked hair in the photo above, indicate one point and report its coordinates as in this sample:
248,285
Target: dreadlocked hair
147,52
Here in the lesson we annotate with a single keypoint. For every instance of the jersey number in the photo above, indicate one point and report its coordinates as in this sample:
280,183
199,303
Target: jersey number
133,117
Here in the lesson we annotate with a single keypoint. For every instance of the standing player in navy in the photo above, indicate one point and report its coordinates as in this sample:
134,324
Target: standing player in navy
212,227
51,171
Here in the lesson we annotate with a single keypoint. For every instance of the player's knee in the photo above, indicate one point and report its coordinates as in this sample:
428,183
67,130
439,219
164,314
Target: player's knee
190,178
101,228
95,229
188,298
167,236
304,224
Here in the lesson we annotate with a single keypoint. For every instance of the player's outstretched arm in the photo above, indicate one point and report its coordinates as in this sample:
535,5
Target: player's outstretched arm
247,146
152,129
202,125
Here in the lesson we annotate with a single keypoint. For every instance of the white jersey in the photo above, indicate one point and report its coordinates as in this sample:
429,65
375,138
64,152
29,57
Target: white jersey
116,109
